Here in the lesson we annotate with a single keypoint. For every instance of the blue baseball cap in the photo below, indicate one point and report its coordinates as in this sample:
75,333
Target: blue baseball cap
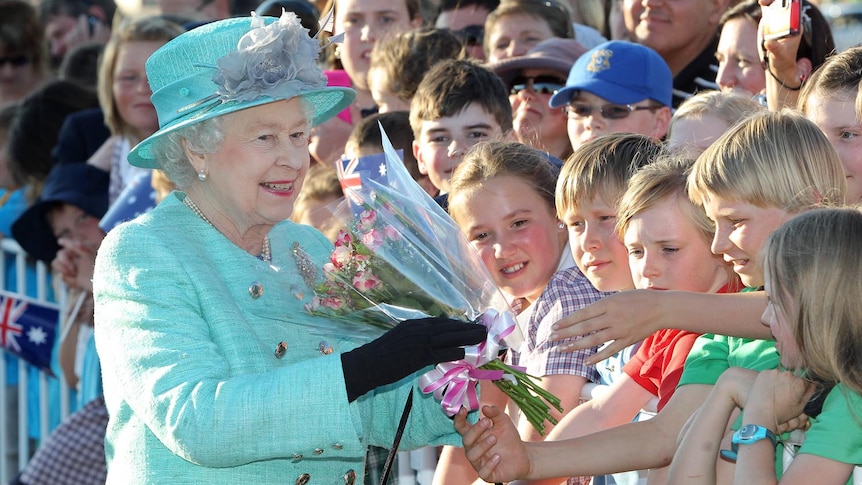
620,72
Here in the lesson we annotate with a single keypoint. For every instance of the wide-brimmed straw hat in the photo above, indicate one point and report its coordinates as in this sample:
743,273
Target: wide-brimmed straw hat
234,64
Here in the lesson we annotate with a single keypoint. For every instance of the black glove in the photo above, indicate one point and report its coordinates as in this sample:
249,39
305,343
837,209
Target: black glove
408,347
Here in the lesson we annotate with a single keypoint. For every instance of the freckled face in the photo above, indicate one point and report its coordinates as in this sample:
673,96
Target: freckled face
515,232
741,230
668,252
598,252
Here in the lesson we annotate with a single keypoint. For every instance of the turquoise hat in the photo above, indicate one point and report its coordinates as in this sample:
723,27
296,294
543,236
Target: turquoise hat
234,64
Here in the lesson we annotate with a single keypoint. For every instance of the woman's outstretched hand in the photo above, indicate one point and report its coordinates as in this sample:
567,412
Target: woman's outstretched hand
493,445
622,319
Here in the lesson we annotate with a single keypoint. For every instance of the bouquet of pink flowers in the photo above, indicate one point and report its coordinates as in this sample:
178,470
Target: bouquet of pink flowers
403,257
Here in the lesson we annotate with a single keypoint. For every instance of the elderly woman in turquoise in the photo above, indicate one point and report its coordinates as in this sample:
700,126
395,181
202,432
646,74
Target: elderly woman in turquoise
213,372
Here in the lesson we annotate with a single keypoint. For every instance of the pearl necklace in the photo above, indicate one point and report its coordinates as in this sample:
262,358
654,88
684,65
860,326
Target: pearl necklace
265,253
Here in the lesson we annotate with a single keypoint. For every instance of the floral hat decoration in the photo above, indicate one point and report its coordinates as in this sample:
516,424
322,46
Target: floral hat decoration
234,64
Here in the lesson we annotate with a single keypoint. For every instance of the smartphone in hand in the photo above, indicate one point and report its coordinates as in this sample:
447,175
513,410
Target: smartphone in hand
781,19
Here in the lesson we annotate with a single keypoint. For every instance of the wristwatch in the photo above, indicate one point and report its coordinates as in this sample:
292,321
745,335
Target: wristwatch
746,435
752,433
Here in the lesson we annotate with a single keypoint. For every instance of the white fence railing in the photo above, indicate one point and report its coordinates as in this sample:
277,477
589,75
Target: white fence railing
16,445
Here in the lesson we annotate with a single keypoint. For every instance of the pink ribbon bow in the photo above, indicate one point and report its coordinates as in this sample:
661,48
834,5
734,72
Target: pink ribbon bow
454,383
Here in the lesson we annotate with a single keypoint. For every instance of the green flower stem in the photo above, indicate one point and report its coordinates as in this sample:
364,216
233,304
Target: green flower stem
531,398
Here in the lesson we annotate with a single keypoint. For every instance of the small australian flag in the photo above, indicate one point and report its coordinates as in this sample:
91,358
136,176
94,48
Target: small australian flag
28,328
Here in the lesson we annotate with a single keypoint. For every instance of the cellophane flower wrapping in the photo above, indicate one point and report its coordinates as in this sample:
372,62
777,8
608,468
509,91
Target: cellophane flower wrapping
401,257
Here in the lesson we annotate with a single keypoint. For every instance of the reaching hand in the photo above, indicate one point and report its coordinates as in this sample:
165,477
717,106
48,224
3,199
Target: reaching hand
493,445
408,347
74,263
622,319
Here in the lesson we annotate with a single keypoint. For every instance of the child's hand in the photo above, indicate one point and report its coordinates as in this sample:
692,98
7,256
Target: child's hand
737,382
493,445
74,263
778,396
623,319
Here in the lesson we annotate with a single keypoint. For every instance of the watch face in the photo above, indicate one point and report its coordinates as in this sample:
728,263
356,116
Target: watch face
748,431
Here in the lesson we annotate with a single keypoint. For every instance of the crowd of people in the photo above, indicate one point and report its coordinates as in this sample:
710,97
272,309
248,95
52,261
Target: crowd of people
176,170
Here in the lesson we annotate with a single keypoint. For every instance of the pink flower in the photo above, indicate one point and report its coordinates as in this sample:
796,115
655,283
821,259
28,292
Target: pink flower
373,239
365,280
340,256
391,233
367,219
343,239
332,302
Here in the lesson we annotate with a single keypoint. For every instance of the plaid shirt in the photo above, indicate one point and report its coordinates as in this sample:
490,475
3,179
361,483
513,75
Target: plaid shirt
567,291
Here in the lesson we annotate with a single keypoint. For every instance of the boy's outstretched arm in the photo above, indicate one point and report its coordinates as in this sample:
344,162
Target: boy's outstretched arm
630,316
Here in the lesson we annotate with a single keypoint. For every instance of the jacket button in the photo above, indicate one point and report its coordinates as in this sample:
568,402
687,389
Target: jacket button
324,347
303,479
337,446
255,290
350,477
296,457
280,349
318,451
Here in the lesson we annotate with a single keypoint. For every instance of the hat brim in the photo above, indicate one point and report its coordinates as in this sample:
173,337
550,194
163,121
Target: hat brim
611,92
35,235
324,103
507,69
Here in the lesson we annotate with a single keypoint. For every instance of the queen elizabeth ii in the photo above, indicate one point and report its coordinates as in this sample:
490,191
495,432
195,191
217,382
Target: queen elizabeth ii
213,372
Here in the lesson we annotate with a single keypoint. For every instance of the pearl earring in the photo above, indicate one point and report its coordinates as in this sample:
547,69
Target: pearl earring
561,225
202,175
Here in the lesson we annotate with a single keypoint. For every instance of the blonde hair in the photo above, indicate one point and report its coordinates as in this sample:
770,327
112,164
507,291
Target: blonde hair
813,265
493,159
664,178
144,29
728,107
775,159
602,167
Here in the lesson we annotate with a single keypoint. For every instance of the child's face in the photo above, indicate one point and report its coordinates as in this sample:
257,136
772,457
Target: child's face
836,117
778,322
514,34
598,252
363,23
384,98
70,222
514,231
740,232
668,252
694,135
652,123
131,91
443,142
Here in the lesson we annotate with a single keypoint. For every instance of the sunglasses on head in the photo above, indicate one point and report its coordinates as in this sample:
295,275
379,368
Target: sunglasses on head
610,111
471,35
16,61
539,84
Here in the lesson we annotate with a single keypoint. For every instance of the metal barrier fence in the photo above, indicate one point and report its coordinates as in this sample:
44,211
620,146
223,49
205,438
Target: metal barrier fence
16,445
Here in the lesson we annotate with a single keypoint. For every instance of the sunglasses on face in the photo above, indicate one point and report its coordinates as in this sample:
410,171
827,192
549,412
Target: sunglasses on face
610,111
471,35
539,84
15,61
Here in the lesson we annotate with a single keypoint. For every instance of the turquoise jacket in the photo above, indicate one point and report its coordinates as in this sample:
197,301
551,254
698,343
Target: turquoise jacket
187,326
